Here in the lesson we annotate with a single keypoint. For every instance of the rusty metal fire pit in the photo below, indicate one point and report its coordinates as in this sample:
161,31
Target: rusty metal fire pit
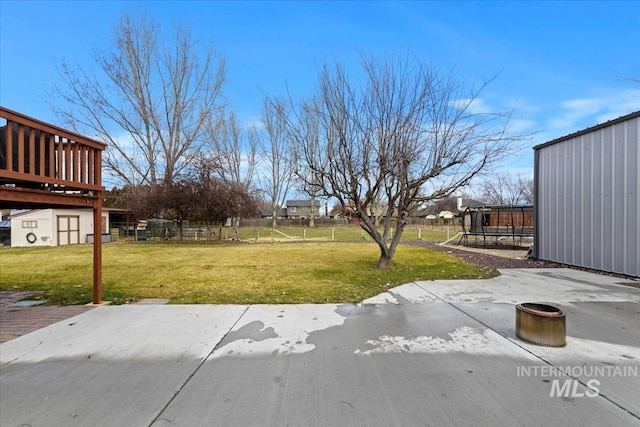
541,324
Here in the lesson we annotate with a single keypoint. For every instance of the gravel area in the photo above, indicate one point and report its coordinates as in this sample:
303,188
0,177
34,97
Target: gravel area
504,257
492,257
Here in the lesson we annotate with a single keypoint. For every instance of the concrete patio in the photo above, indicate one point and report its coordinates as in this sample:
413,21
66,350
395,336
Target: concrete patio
440,353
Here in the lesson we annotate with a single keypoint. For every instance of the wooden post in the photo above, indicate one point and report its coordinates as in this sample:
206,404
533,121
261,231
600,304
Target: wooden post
97,232
97,250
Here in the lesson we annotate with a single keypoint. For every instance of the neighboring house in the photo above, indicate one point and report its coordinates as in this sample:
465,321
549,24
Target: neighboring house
446,214
425,213
446,208
55,227
282,214
586,197
462,203
301,209
373,210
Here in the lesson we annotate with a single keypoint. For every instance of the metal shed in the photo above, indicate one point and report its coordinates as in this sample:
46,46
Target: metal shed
587,206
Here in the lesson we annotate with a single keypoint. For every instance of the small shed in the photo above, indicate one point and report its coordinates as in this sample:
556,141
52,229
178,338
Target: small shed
587,206
55,227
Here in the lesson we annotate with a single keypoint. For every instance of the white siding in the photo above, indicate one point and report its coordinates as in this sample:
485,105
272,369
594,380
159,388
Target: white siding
43,229
587,202
46,231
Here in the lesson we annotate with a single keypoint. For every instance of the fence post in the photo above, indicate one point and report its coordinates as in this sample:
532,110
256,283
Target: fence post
257,235
333,233
419,233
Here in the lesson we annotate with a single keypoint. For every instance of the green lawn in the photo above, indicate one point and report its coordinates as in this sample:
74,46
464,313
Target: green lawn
224,273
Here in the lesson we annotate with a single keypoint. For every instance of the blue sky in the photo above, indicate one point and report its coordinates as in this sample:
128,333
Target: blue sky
562,64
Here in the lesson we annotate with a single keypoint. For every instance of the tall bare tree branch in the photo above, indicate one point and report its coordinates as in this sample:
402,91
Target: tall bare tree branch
148,99
508,189
277,179
233,151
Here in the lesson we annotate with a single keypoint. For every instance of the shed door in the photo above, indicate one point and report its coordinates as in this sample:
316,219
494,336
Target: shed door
68,230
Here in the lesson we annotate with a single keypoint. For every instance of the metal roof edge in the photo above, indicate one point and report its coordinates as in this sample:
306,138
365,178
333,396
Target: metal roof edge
612,122
489,205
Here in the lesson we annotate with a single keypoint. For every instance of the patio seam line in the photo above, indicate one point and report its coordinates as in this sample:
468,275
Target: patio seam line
605,397
204,359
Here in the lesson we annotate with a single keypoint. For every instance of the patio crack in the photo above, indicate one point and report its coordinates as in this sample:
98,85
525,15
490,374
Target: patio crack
29,351
195,371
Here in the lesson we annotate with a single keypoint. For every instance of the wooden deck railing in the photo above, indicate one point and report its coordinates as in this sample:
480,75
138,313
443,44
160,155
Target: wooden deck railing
34,154
42,165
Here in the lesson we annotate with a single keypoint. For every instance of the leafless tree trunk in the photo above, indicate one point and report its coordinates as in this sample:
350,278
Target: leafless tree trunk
312,214
406,135
277,180
148,101
234,149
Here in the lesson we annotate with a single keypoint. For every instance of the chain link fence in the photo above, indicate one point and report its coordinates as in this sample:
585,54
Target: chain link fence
261,231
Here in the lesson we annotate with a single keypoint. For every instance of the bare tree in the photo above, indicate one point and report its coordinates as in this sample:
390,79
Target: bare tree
233,149
148,100
526,183
406,135
508,189
309,183
277,180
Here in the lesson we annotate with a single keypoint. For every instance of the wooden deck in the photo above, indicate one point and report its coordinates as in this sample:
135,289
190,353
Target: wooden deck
44,166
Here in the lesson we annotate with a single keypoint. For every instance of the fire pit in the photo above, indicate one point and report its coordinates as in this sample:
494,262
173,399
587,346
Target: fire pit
541,324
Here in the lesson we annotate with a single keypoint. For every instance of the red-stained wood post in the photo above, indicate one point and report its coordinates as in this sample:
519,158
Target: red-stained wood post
97,230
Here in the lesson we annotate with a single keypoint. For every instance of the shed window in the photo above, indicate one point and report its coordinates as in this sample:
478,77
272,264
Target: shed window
29,224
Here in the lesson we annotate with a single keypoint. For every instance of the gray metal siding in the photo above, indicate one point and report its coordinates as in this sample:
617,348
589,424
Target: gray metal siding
587,202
